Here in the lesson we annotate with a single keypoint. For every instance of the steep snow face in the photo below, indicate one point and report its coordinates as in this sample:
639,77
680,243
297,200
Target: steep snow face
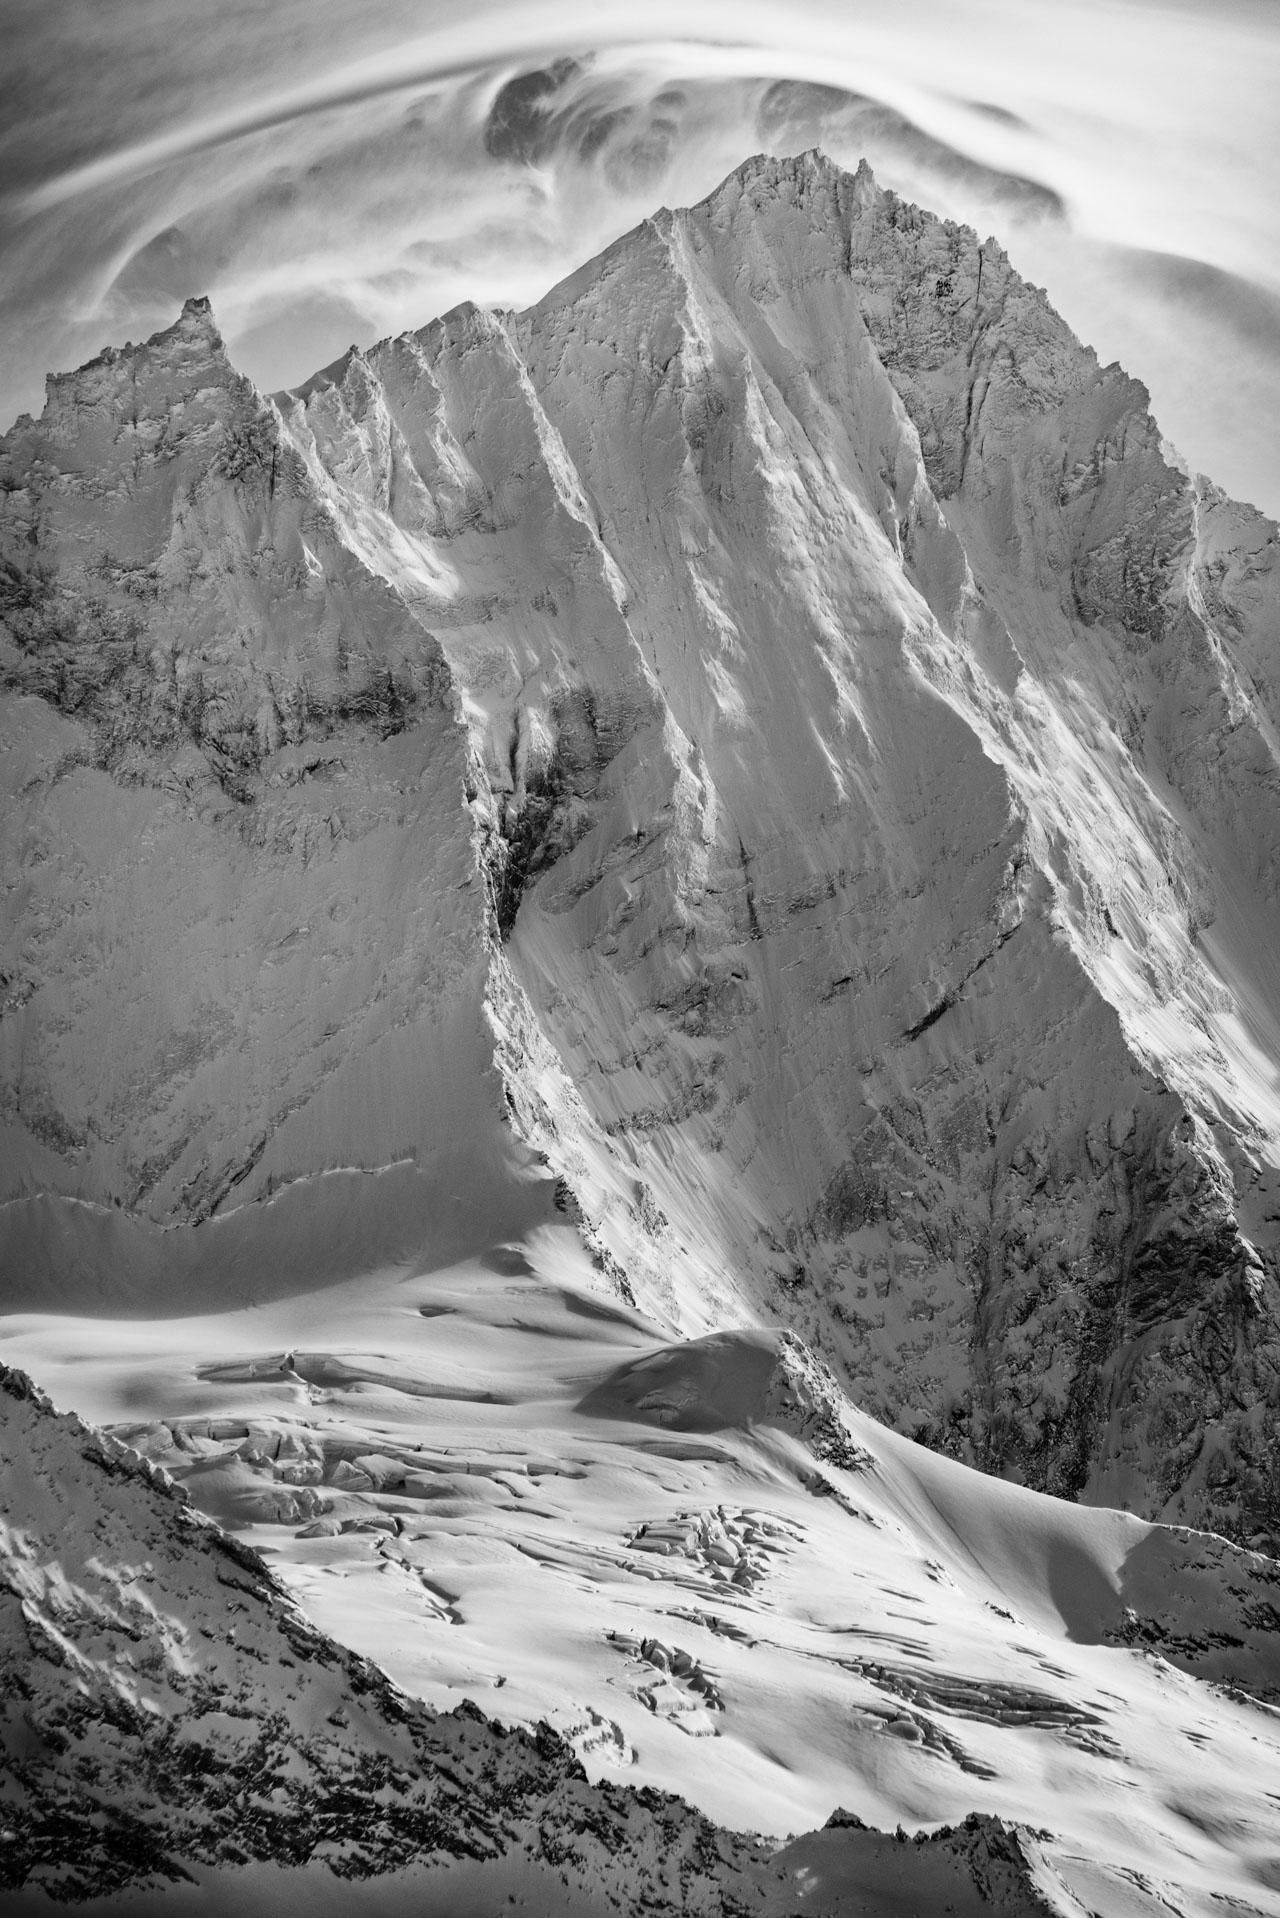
1035,1192
792,651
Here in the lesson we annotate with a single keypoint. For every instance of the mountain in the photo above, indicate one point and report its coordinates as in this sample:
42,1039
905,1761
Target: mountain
765,752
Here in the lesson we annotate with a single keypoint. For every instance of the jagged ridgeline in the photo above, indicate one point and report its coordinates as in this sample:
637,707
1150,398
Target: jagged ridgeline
766,750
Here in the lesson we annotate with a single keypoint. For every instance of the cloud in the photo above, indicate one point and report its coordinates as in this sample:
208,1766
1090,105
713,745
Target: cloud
329,174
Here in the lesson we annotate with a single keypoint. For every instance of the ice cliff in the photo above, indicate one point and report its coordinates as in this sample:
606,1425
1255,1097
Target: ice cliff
765,752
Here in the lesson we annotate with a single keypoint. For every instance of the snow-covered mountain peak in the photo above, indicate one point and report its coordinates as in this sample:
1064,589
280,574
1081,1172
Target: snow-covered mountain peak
135,401
811,177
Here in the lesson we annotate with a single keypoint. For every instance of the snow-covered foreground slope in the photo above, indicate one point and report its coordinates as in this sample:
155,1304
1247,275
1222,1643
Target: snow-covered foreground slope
694,1561
762,751
178,1738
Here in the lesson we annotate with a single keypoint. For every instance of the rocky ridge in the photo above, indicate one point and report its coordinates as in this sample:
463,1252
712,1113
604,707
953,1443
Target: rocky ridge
765,749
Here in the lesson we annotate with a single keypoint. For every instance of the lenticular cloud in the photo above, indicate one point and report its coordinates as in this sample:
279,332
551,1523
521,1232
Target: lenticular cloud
354,180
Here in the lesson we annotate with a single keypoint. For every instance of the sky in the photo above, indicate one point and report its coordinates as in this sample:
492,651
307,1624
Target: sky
329,174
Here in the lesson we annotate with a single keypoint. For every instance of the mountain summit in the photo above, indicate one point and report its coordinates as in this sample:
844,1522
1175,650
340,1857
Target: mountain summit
765,754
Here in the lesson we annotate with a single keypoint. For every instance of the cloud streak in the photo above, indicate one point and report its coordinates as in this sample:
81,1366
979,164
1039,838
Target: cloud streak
328,177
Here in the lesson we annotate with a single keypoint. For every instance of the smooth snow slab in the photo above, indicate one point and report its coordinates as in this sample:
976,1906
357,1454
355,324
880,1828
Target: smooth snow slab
458,1474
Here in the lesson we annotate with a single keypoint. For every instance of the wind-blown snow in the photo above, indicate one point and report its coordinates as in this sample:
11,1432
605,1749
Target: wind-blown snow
330,175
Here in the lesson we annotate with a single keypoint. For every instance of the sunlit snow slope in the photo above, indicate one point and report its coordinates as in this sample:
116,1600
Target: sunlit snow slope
763,753
692,1559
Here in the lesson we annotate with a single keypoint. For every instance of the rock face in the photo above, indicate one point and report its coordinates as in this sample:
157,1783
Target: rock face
765,747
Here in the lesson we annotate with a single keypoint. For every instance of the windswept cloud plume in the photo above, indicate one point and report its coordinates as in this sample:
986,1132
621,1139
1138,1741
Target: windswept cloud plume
329,177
